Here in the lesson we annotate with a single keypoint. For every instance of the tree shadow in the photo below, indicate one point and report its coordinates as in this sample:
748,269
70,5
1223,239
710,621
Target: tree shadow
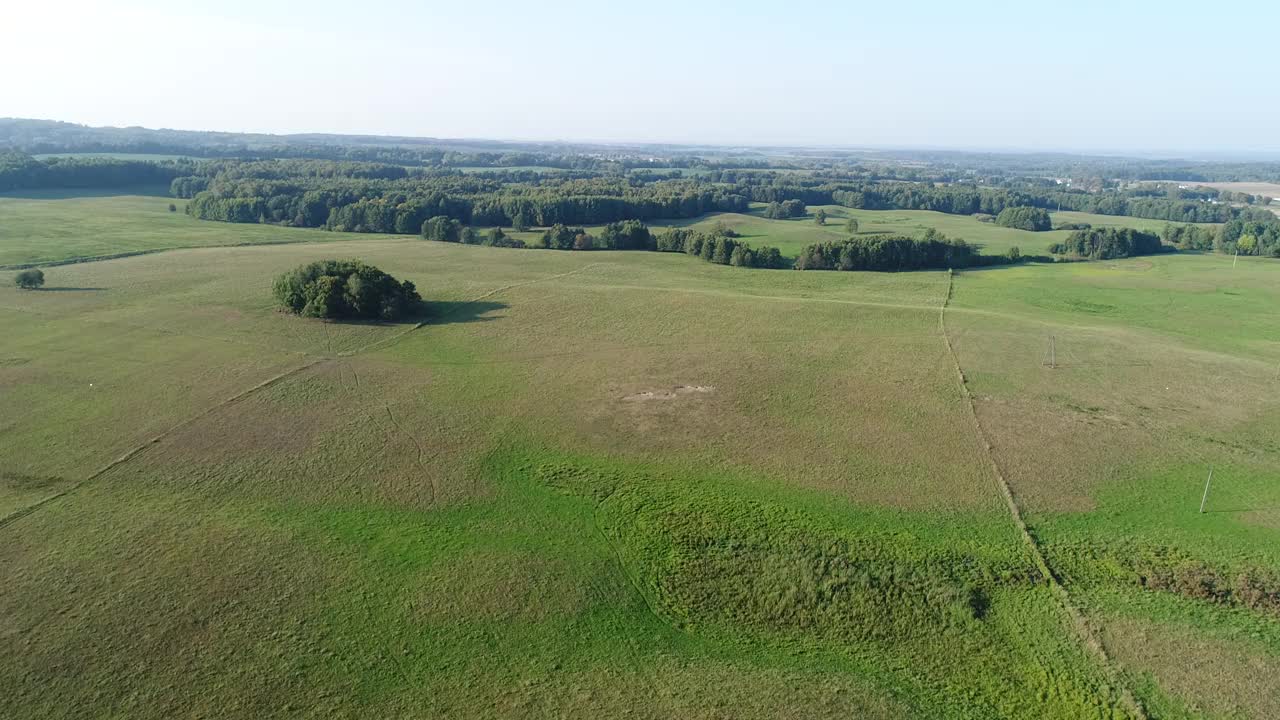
437,312
462,311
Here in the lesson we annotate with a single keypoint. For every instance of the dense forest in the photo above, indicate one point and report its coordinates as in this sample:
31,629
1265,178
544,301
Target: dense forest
22,172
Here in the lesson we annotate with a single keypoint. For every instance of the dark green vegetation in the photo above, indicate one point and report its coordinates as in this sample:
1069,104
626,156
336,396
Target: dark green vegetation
1108,244
22,172
1025,218
29,279
787,209
888,254
343,289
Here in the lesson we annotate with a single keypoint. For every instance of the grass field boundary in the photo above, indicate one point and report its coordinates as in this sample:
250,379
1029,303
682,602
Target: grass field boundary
90,258
19,514
1085,631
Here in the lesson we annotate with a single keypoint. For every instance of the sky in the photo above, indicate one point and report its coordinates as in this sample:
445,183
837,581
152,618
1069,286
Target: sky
1078,76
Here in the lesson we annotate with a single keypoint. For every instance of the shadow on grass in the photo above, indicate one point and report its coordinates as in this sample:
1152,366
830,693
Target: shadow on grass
437,313
70,289
463,311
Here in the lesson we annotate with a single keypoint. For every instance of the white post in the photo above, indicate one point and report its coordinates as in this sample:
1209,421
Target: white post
1236,259
1205,497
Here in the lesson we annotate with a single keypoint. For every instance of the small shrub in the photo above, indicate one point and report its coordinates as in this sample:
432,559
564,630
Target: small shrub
173,208
29,279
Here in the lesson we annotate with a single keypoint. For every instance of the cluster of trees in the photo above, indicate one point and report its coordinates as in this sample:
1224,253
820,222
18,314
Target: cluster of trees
1108,243
29,279
1250,237
1190,237
1025,218
341,289
1246,237
446,229
719,247
23,172
782,210
895,253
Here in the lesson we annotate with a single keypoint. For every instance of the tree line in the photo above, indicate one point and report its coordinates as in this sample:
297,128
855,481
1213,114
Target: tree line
23,172
1108,244
720,245
895,253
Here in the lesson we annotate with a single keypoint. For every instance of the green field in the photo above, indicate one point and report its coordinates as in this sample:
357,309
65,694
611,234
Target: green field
44,226
602,484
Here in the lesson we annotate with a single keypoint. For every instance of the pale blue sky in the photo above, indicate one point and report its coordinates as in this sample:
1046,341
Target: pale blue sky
1117,76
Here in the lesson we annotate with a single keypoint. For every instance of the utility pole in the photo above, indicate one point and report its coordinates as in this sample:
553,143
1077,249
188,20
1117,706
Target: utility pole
1053,352
1236,259
1205,497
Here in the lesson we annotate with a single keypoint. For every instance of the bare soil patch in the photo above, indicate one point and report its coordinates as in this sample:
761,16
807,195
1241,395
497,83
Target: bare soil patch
672,394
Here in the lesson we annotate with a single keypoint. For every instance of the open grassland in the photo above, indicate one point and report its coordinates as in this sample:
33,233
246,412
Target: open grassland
1164,367
44,226
601,484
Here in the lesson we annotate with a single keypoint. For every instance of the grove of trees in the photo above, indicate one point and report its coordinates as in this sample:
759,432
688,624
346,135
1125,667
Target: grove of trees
343,289
891,254
1108,243
29,279
1023,217
717,247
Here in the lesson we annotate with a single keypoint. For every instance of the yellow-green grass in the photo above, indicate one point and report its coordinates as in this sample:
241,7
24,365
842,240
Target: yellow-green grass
1162,368
595,484
55,226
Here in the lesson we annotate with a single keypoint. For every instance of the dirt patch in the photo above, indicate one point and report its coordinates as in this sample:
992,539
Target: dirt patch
672,394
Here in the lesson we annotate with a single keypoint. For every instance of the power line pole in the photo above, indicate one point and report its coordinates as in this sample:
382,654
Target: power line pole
1053,352
1205,497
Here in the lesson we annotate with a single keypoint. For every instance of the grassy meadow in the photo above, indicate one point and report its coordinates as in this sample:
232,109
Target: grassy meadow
49,226
590,484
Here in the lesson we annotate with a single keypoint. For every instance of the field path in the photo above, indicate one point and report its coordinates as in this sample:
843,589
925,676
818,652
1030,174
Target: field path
1085,632
19,514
